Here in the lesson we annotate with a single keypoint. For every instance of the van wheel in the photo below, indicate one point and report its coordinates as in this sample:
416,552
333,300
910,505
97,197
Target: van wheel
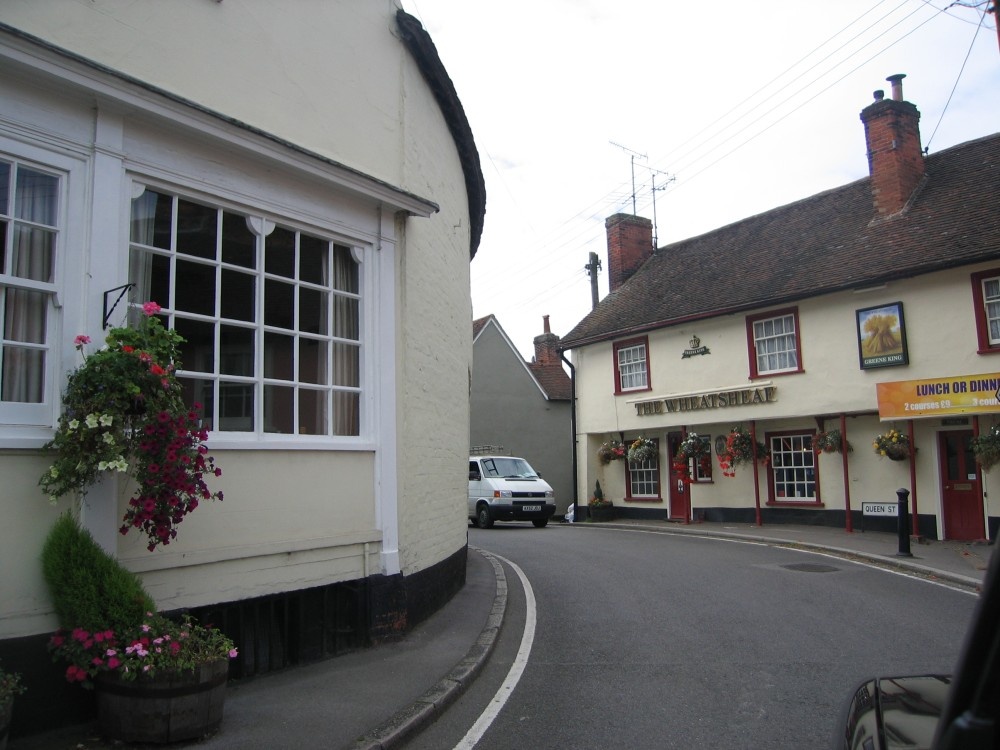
484,519
541,523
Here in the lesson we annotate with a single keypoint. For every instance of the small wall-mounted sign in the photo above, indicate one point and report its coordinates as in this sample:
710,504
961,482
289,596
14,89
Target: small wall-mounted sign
695,348
880,509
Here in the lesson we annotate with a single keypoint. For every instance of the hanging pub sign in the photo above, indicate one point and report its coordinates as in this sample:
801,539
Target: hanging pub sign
881,336
959,394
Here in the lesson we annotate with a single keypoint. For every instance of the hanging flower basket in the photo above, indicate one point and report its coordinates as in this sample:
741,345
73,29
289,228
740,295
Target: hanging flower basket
124,412
740,450
893,445
692,447
613,450
829,442
642,450
986,447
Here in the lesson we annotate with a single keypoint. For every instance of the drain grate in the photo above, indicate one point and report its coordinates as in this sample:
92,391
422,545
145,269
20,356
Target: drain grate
811,568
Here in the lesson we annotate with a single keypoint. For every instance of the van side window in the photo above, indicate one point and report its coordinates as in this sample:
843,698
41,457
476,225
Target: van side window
474,474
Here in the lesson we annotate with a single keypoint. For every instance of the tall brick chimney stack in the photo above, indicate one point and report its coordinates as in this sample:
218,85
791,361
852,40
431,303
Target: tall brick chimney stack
630,244
547,346
895,160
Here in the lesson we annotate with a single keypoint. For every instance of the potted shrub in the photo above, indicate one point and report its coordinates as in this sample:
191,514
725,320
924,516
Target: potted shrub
10,686
829,442
692,447
893,445
986,447
158,679
123,411
740,449
601,509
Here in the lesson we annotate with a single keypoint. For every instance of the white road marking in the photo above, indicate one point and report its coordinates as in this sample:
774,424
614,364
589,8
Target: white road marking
516,669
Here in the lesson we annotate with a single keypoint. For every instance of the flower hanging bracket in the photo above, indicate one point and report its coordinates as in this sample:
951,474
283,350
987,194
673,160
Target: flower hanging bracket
121,293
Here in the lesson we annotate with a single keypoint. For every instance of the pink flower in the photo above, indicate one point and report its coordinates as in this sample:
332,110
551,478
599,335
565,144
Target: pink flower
233,653
80,340
114,662
151,308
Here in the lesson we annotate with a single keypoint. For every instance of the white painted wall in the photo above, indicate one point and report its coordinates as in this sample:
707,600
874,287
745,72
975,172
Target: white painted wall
333,79
941,338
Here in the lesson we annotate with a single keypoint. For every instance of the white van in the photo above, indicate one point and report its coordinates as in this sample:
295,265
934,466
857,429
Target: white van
506,488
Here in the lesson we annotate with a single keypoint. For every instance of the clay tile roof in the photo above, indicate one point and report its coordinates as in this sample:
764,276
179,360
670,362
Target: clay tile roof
553,380
825,243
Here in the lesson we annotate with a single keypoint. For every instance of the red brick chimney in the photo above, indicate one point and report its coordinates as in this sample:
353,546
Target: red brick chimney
547,346
895,160
630,244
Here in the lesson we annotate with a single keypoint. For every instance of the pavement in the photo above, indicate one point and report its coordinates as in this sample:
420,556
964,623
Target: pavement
378,698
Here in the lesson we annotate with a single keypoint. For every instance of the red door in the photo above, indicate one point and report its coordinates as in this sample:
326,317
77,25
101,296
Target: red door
680,492
961,494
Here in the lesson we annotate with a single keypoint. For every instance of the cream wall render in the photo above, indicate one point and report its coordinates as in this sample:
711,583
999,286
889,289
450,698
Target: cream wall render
235,57
405,490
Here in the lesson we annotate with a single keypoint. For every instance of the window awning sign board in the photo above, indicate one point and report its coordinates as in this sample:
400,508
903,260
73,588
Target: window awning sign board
935,397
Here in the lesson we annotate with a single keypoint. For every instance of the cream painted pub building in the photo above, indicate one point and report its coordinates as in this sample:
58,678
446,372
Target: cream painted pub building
297,186
866,308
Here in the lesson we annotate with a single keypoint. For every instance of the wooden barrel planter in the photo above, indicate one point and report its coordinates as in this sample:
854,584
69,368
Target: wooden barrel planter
6,711
601,513
168,707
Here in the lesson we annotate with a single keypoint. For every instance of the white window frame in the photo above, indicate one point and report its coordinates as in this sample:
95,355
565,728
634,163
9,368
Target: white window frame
991,309
633,367
772,344
793,465
30,425
262,218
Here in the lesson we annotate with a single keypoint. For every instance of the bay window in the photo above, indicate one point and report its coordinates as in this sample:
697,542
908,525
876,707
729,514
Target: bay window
271,315
29,238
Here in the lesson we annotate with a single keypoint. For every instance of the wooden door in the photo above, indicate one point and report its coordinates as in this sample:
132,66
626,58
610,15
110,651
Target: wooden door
680,492
961,493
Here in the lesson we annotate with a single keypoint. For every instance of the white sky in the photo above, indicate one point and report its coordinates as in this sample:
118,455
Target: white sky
737,108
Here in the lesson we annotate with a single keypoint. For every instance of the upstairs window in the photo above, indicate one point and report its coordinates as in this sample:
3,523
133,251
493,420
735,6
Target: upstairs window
986,299
29,238
774,343
631,366
271,315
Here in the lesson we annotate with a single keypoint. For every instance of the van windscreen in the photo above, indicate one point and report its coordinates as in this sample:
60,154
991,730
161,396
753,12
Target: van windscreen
509,468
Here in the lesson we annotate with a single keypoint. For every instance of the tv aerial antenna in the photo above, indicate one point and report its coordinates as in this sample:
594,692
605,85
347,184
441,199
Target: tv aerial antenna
670,178
634,155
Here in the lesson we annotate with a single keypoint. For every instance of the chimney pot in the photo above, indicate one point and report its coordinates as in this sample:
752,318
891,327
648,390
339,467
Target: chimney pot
545,319
879,95
897,86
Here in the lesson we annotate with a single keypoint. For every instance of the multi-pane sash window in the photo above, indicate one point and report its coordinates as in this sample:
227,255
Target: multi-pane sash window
270,314
775,344
991,302
793,468
632,371
644,478
29,232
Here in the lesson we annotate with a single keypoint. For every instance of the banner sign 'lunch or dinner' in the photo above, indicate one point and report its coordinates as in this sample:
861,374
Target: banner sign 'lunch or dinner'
960,394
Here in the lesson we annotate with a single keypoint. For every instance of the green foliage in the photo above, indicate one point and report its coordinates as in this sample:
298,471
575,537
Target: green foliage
986,447
10,685
598,501
157,644
123,411
89,588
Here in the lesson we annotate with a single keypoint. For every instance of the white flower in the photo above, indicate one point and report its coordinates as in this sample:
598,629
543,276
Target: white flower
106,420
108,438
53,472
102,466
73,424
92,420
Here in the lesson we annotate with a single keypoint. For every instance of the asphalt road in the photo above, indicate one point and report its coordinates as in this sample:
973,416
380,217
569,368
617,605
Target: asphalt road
659,641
